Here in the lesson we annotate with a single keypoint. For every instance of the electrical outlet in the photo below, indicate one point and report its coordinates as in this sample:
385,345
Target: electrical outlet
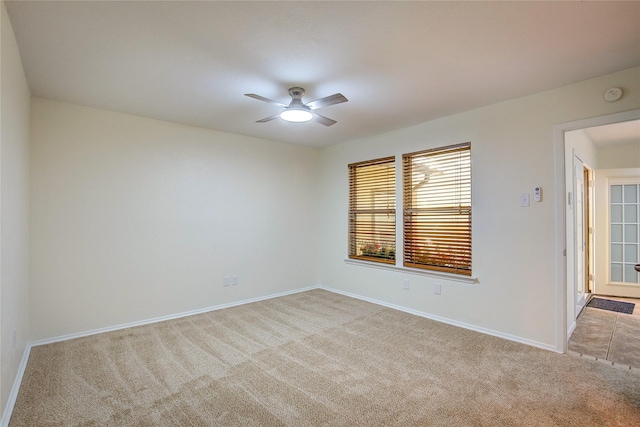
234,280
437,288
405,285
226,281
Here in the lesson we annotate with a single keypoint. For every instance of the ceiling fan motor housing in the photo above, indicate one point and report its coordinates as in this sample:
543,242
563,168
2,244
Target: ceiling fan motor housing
296,92
296,99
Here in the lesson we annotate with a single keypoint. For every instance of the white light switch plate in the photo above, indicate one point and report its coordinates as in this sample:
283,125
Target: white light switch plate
524,200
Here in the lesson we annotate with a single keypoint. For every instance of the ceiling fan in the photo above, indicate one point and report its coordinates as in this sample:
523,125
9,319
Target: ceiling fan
297,111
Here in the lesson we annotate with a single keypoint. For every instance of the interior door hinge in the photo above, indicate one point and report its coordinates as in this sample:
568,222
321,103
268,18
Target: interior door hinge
570,198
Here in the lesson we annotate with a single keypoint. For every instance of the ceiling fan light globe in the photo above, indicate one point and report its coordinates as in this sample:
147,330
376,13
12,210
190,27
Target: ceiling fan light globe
296,116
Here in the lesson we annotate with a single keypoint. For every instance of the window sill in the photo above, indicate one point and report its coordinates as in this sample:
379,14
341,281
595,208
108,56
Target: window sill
416,271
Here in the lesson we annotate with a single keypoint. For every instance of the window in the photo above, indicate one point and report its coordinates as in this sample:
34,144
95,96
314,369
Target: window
372,210
437,209
624,233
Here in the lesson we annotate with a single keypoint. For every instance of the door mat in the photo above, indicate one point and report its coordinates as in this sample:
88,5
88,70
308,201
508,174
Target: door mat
610,305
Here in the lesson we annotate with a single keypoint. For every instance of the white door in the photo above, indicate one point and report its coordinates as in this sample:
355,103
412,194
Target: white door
622,225
579,234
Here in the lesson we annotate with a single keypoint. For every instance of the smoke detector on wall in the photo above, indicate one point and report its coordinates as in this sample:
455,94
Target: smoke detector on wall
613,94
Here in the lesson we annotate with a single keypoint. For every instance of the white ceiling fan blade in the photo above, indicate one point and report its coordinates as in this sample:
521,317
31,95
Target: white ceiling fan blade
336,98
262,98
268,119
323,120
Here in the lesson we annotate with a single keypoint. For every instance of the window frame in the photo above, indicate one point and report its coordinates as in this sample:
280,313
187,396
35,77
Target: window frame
622,242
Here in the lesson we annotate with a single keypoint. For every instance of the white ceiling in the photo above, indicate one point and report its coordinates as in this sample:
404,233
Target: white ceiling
614,134
398,63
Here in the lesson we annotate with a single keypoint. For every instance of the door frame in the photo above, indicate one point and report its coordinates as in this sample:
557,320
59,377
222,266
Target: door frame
590,262
560,213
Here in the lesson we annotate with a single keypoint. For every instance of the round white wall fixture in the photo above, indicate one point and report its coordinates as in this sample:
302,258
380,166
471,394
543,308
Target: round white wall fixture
613,94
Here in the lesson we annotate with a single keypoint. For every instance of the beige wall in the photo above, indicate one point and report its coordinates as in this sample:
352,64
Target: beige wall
515,250
14,214
619,156
578,142
133,218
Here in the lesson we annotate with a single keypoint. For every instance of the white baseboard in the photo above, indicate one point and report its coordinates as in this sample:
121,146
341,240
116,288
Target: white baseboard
13,395
449,321
168,317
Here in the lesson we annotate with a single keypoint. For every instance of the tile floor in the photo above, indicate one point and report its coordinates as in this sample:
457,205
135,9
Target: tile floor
608,335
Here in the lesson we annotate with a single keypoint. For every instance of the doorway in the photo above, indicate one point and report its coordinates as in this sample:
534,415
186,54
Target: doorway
579,245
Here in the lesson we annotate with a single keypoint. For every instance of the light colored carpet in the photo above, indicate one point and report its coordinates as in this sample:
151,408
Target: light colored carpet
316,359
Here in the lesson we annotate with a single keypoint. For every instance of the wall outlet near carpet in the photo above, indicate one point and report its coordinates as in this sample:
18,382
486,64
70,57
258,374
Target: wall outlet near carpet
230,280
